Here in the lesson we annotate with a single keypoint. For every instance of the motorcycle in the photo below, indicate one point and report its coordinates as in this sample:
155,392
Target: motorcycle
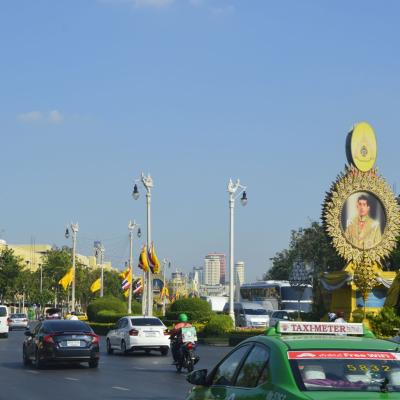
187,357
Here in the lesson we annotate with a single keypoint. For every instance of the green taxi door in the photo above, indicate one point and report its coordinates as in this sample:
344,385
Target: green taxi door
239,376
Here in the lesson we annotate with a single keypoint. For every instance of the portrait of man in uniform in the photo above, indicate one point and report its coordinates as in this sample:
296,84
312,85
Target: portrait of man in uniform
362,230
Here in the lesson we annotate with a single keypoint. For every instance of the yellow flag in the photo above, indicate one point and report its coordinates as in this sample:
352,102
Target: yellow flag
67,279
96,285
154,260
165,292
143,261
126,293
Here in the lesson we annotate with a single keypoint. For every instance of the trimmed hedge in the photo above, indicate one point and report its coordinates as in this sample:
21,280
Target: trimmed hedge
237,336
196,309
101,328
218,325
109,304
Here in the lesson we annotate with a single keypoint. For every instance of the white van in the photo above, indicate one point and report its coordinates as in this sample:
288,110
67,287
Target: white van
250,315
4,321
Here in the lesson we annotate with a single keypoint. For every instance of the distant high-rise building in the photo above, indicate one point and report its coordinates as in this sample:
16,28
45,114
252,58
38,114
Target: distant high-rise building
238,273
222,266
212,269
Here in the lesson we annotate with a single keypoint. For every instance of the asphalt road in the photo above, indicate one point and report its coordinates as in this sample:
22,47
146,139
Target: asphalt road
135,376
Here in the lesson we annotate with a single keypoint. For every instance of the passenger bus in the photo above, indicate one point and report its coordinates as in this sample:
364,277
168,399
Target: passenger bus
278,295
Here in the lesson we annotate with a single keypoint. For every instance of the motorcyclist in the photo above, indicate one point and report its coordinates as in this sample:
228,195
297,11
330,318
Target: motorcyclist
176,336
332,317
340,317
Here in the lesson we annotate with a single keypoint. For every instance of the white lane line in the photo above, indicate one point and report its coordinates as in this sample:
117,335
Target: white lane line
32,372
120,388
71,379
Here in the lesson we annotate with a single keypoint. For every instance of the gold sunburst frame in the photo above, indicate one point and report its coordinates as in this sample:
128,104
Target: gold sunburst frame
351,181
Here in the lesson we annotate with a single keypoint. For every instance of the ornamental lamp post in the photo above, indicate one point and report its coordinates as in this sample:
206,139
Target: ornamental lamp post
74,229
166,264
131,228
147,298
234,190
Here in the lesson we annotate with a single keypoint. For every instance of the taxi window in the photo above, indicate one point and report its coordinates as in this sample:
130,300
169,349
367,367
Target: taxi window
225,372
359,371
253,367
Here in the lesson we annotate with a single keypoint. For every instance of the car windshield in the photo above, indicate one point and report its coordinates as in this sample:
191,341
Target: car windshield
3,312
18,316
146,322
339,370
67,326
255,311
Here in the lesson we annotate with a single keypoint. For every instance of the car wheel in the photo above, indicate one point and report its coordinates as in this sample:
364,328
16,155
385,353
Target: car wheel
38,362
123,347
110,350
164,351
189,365
25,357
5,335
94,363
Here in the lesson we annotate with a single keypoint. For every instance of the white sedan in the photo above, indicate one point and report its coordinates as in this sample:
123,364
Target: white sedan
138,333
18,321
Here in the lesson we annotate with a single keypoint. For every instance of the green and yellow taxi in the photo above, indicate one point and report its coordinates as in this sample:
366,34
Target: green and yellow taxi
303,361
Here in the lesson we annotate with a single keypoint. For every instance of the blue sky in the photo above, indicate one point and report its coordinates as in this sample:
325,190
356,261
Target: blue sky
194,92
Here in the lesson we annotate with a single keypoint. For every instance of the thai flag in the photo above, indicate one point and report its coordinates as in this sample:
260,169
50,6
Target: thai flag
137,286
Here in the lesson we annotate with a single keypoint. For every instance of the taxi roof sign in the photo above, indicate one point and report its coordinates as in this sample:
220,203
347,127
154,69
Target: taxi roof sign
319,328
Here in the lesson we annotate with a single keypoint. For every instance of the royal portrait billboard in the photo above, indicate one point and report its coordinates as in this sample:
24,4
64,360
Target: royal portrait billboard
363,220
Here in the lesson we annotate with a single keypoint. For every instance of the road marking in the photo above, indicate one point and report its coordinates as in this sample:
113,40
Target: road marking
120,388
71,379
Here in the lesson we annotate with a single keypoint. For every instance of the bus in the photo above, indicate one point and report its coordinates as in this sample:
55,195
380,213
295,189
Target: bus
278,295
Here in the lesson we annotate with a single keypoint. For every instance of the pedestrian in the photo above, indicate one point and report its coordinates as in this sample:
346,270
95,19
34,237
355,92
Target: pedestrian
340,318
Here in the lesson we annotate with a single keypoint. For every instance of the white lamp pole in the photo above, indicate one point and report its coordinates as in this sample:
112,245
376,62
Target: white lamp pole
131,228
234,190
147,302
74,229
102,249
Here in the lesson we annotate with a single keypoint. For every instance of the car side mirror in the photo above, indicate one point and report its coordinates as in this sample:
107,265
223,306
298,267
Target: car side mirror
28,333
198,377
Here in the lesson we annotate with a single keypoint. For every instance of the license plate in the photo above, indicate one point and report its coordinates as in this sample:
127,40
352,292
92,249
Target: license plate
73,343
151,334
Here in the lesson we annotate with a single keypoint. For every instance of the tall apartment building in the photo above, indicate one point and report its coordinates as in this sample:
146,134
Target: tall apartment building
212,269
222,266
238,271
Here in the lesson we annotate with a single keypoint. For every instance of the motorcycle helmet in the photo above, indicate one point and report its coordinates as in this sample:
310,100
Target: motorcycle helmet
183,318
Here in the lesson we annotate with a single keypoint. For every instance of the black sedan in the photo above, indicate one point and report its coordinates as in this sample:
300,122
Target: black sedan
61,341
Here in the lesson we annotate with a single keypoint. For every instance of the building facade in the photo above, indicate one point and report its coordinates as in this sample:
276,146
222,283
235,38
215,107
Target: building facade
212,269
238,272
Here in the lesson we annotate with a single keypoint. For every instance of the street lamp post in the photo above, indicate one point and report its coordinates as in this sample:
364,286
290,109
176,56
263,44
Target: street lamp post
147,302
166,264
234,190
41,277
99,253
74,229
299,278
131,228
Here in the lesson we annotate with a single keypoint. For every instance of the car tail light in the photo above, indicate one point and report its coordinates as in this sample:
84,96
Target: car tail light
25,320
49,339
189,345
95,338
9,320
133,332
166,332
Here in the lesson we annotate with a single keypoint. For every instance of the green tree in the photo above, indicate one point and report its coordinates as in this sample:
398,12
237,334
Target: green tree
10,268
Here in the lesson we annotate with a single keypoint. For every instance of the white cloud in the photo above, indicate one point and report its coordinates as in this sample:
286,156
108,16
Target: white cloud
52,117
31,116
55,117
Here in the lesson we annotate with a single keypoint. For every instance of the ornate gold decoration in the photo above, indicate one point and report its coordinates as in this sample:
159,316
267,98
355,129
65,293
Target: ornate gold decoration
364,277
351,181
